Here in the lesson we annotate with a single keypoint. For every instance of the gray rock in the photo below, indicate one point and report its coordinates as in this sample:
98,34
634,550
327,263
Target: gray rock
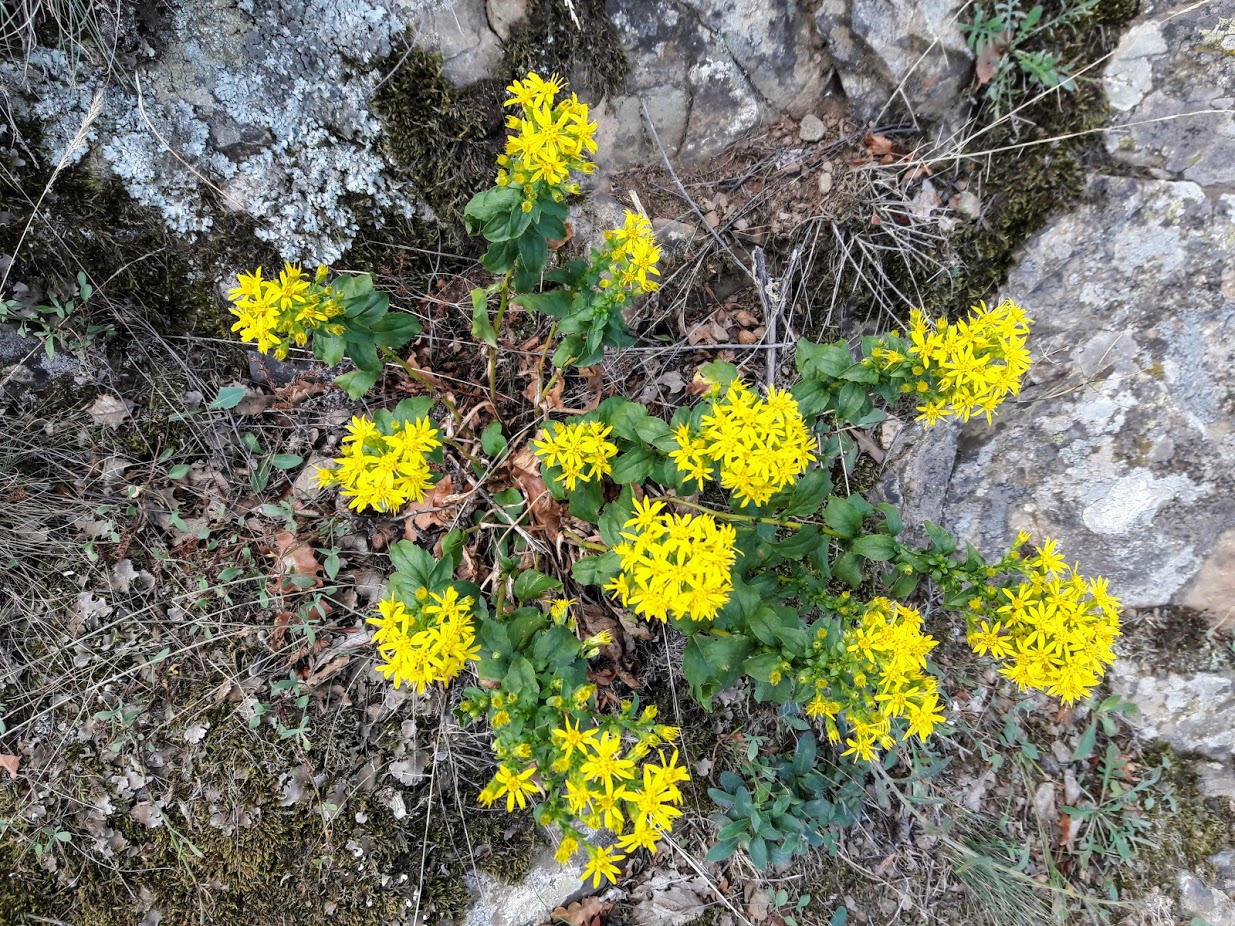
504,15
547,886
1121,445
916,475
1178,60
710,71
1191,712
911,55
1210,904
811,128
460,31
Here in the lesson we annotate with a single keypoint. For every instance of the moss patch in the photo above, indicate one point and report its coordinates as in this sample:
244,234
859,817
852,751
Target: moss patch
589,53
1186,827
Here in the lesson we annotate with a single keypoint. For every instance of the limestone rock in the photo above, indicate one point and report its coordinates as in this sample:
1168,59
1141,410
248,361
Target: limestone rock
460,31
710,72
533,900
1178,59
1121,445
1191,712
912,54
1211,905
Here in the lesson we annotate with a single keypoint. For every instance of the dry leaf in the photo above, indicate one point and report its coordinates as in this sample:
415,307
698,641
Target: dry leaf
433,511
544,511
295,557
10,764
110,411
586,912
987,65
878,145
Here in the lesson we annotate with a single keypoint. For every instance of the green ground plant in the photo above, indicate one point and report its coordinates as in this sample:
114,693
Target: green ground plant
723,522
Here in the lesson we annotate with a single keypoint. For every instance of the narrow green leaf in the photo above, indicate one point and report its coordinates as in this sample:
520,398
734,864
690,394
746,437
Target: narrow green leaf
229,397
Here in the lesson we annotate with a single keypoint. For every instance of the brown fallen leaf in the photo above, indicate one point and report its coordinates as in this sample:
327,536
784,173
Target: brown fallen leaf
989,58
294,557
544,512
10,764
878,145
590,911
110,411
434,511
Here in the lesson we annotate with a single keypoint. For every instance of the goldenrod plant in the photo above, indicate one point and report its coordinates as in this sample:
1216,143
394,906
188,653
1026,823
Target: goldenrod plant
722,524
345,316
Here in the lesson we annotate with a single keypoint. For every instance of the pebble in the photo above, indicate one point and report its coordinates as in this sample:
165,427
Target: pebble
811,128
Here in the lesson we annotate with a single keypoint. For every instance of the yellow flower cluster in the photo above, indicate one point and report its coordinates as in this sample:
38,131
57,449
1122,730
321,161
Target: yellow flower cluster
679,565
630,254
425,640
274,314
1055,630
593,776
549,137
759,445
383,468
581,450
967,368
876,678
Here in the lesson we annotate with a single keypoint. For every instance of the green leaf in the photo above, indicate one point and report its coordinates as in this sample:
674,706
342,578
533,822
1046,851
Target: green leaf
482,328
633,466
229,397
851,401
500,258
357,383
286,461
492,440
809,493
1085,745
586,499
414,562
827,360
758,853
362,350
848,569
842,516
721,851
840,917
179,471
891,518
878,548
521,678
328,348
596,570
452,548
533,251
801,542
719,372
615,516
395,329
531,584
763,624
556,304
411,410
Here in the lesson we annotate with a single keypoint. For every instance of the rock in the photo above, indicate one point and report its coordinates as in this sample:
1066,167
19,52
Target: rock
1211,905
916,474
504,15
910,54
1191,711
547,886
674,237
460,31
811,128
1177,60
1132,302
711,71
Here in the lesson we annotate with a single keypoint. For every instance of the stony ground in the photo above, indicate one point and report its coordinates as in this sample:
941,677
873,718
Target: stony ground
190,729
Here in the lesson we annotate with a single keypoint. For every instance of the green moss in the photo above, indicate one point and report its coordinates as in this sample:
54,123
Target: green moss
589,54
1186,827
90,224
444,139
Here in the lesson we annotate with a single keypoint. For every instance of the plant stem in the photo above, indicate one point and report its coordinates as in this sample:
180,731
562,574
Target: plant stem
424,381
540,364
734,516
503,304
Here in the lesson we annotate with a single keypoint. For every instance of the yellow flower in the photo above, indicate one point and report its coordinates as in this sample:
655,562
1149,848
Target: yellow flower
569,739
970,367
515,785
674,565
581,450
759,445
602,863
